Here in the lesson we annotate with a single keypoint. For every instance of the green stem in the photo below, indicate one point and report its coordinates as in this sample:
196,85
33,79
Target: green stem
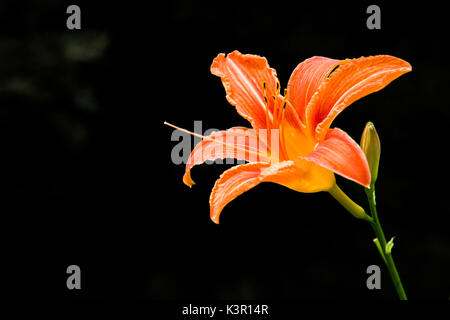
385,254
348,203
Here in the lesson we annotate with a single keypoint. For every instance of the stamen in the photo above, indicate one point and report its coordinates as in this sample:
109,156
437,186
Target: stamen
186,131
276,111
266,102
280,114
332,70
282,140
213,139
283,106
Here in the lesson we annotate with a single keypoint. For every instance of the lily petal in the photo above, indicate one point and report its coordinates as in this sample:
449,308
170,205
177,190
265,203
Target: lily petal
237,143
341,154
305,80
243,76
232,183
300,175
351,81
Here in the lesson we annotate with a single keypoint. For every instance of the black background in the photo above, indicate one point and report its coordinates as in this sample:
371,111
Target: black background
87,176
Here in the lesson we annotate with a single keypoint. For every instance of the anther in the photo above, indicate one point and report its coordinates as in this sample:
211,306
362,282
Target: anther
332,70
266,101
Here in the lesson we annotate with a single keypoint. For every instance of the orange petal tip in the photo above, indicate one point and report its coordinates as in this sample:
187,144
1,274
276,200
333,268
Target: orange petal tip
187,180
215,219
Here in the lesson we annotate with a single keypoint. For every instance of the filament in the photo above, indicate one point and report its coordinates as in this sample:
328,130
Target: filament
213,139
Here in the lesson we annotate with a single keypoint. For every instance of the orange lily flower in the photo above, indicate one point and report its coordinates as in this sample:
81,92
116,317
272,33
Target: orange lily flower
310,153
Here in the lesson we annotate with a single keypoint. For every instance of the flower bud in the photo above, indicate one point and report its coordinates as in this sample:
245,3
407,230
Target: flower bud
370,145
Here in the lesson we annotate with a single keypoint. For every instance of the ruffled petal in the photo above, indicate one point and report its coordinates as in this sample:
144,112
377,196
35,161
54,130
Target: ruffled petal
243,76
236,143
232,183
305,80
352,80
340,153
301,175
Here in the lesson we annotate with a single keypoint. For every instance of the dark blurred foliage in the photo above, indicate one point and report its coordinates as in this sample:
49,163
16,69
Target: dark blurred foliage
87,177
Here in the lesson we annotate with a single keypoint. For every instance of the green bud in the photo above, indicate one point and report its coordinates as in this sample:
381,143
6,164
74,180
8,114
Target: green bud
370,145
